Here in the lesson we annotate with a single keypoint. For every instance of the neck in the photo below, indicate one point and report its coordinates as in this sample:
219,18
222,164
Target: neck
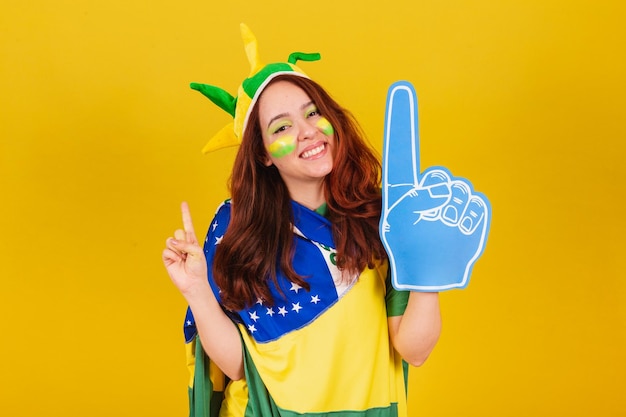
310,195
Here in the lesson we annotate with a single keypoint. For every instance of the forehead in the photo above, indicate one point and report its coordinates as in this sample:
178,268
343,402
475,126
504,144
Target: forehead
281,97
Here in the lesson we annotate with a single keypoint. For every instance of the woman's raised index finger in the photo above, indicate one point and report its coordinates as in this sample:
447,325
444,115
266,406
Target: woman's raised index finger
187,223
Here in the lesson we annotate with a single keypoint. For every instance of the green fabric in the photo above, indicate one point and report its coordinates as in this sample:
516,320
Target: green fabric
220,97
390,411
250,85
203,401
294,57
405,370
396,300
322,210
260,403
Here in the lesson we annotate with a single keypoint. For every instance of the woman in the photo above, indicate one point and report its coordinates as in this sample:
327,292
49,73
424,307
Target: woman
297,310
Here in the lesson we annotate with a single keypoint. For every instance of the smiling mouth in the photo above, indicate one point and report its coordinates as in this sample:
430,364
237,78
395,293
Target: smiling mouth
312,152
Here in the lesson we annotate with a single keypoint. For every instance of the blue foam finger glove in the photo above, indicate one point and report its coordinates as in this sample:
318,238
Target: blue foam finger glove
434,226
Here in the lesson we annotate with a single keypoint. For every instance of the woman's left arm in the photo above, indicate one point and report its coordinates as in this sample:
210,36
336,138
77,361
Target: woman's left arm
415,333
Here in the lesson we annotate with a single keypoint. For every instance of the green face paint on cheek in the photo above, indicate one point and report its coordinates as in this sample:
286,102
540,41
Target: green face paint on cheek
282,146
325,126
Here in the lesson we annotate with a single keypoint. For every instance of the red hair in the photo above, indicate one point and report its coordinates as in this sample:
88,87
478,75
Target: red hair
259,238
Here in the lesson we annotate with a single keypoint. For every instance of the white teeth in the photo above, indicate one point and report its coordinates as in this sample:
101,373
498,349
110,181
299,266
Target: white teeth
313,152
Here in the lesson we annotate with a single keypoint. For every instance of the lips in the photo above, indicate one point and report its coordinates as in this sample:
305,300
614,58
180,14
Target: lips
311,152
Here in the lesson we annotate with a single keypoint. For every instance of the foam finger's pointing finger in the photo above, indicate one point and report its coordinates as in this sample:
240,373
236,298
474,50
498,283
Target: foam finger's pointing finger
401,151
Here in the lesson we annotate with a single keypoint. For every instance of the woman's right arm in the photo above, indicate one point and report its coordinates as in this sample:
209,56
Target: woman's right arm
185,263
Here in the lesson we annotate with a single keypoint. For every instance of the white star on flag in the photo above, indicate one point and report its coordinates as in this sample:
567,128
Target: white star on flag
295,287
315,299
214,225
259,301
296,307
282,311
251,328
270,312
188,322
218,239
253,316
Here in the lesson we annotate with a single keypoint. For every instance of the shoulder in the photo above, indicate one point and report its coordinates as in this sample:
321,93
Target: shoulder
223,207
220,222
222,212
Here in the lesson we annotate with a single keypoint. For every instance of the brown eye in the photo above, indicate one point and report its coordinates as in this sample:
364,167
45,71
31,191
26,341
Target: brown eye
280,128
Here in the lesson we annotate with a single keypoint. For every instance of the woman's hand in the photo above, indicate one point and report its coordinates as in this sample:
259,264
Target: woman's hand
183,257
185,262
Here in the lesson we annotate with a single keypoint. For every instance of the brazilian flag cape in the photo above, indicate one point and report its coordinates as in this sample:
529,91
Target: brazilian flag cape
318,353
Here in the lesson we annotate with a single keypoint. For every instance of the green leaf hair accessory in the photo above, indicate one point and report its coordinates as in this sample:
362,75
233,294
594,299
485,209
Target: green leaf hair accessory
249,91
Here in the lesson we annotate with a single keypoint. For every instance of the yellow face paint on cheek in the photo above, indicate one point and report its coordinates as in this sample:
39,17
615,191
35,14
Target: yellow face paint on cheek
325,126
282,146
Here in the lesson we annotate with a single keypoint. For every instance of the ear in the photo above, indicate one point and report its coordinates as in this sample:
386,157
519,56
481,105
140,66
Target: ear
268,162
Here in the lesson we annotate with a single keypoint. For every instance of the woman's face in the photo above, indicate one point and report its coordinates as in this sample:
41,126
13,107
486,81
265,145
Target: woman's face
299,140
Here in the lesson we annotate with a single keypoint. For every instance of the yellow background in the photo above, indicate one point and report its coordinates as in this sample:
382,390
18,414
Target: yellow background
101,138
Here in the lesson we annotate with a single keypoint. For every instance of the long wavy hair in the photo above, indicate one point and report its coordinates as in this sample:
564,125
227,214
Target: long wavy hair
259,239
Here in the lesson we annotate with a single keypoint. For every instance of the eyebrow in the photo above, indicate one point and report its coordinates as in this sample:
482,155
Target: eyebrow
278,116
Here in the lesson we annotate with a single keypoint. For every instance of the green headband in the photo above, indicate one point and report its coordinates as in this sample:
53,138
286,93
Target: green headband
249,91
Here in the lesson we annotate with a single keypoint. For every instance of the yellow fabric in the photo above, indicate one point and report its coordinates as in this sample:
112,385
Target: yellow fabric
190,354
310,370
241,112
235,399
215,373
222,139
251,46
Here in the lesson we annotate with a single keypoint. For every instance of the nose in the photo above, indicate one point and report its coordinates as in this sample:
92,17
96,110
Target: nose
306,130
